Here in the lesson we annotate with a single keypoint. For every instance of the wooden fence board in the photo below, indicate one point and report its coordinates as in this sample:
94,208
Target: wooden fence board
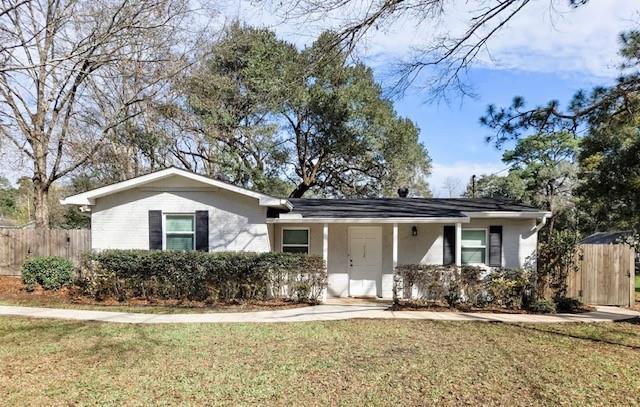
604,276
16,245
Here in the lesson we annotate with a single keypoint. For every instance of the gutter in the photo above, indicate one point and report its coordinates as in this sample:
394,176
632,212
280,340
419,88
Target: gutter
543,221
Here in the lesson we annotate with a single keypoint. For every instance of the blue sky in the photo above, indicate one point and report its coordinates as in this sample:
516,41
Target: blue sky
549,51
544,53
452,133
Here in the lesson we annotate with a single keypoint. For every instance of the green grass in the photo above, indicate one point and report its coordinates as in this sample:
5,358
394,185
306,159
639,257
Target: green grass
148,309
46,362
638,284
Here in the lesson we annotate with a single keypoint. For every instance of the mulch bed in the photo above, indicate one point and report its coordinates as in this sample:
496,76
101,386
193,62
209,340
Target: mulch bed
12,290
490,310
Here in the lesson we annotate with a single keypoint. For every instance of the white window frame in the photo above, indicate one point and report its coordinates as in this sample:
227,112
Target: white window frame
485,247
165,231
283,245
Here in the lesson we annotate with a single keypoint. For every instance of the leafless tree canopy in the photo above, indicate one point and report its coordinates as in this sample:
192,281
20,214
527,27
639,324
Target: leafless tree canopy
73,72
443,60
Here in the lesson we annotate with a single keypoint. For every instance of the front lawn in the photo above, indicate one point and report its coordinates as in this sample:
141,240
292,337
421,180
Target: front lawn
325,363
12,292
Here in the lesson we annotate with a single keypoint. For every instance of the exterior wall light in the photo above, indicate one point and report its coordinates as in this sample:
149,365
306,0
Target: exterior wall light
414,231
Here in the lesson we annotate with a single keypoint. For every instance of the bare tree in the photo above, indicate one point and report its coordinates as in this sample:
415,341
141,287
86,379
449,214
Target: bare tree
446,57
453,187
74,72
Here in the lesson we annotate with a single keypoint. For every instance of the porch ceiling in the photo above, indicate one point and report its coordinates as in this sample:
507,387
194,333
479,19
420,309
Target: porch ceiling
413,220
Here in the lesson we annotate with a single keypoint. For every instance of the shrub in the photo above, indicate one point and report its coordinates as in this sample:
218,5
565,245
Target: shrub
569,305
556,259
224,276
428,283
461,286
438,284
506,287
50,272
542,306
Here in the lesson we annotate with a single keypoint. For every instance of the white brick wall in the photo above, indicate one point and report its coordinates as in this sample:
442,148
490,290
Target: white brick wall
236,222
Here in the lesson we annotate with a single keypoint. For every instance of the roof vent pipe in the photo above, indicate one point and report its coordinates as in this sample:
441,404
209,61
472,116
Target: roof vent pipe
403,192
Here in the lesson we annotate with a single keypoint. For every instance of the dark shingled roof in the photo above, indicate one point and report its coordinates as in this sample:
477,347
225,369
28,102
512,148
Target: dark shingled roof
607,237
398,207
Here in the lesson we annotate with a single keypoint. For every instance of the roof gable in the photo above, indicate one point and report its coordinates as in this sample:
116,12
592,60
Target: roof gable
89,197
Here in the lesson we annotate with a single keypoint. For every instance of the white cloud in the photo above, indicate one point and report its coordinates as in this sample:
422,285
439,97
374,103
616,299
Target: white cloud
546,36
460,170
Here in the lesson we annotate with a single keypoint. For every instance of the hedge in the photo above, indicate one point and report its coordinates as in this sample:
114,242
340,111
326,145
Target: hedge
468,286
50,272
217,276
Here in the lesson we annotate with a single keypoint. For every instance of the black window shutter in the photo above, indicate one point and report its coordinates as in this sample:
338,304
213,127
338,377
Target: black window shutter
202,231
155,230
495,246
449,245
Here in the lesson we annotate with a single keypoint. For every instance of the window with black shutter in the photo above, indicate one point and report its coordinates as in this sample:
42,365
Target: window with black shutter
449,245
495,246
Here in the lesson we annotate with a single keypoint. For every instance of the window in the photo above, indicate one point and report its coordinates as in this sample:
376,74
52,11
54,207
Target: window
474,246
180,232
295,240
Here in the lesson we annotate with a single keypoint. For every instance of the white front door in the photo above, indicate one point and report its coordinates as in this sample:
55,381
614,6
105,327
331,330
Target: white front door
365,260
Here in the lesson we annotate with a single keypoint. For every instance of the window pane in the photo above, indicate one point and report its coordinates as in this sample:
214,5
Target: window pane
473,238
295,249
179,223
295,236
179,242
472,255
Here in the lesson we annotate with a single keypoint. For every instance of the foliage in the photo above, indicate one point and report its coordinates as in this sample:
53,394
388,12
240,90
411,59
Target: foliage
17,204
235,95
605,192
542,306
76,74
610,170
546,164
432,283
272,115
510,187
50,272
8,205
442,60
569,305
460,286
556,260
542,173
202,276
506,287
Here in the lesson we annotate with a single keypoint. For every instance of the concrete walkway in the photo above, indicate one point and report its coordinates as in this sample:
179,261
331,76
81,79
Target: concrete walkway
316,313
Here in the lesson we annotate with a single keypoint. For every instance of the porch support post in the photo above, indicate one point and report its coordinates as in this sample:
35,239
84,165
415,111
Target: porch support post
395,246
458,244
396,292
325,253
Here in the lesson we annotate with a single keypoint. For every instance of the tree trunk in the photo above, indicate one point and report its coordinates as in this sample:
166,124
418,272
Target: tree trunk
300,190
41,204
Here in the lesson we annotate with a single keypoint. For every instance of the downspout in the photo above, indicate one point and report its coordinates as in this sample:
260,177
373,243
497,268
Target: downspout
541,224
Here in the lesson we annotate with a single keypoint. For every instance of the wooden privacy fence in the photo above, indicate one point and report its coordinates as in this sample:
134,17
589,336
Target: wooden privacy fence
605,275
16,245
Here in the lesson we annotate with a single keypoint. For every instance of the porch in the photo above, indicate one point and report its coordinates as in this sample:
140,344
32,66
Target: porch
361,256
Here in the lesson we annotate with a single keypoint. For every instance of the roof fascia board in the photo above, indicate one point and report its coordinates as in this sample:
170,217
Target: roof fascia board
510,214
370,220
89,197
